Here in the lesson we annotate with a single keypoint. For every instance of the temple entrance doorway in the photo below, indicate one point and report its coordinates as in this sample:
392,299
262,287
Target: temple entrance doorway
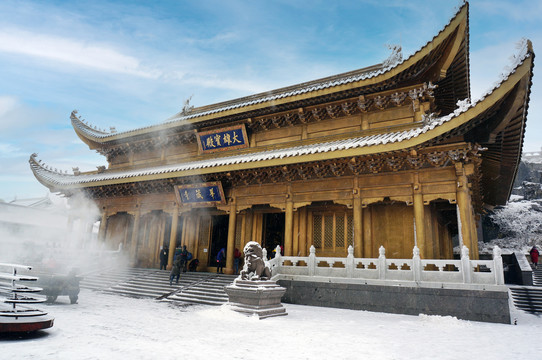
219,237
273,232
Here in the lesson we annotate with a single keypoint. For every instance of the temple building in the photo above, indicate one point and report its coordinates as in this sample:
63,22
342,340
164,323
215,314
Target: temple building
396,154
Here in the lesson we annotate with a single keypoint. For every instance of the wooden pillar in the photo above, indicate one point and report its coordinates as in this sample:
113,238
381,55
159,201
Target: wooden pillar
288,227
135,234
295,234
248,225
465,211
231,238
303,231
358,228
429,233
173,237
419,213
367,233
103,225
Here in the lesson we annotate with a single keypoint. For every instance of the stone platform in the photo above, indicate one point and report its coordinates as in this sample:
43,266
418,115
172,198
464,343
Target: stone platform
262,298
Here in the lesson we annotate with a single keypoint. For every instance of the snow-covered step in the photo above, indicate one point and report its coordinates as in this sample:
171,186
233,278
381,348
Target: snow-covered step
537,276
209,291
197,299
527,299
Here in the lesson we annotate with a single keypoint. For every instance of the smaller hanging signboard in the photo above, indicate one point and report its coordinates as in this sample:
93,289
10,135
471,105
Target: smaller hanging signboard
202,194
230,138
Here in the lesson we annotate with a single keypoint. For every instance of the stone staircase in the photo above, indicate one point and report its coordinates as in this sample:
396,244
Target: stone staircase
529,298
209,291
193,287
537,276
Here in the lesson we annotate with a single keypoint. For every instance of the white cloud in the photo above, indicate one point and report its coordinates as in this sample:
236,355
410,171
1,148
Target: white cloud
72,51
8,149
521,10
7,104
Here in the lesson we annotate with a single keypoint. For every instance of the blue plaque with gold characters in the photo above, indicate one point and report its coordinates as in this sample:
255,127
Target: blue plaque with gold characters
230,138
202,194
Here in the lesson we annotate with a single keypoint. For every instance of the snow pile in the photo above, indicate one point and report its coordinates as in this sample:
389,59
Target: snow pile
105,326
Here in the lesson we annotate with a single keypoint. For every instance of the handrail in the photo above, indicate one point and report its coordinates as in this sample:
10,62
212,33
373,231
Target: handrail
415,270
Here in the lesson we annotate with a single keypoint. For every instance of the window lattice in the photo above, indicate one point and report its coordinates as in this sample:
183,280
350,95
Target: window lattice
317,231
350,230
238,232
339,242
328,231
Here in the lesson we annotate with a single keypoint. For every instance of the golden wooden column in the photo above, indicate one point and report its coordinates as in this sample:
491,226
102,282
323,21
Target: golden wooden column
367,234
103,225
231,238
465,211
173,237
135,234
303,231
288,227
419,213
358,228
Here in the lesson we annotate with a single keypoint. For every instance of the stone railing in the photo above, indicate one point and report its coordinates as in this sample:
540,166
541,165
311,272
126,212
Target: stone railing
416,270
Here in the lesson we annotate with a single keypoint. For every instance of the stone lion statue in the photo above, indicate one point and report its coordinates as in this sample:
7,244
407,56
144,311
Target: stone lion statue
255,268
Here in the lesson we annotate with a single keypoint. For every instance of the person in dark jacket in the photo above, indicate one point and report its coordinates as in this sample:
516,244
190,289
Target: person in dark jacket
220,260
163,258
175,271
184,258
534,256
236,261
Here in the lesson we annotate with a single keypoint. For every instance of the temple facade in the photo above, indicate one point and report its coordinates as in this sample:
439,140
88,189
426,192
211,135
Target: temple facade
395,155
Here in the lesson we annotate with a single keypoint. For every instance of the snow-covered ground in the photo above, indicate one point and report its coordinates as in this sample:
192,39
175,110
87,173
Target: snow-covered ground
104,326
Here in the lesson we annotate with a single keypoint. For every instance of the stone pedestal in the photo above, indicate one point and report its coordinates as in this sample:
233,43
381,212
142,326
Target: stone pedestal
260,297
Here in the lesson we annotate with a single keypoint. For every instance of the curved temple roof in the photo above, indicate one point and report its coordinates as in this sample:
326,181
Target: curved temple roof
433,128
358,78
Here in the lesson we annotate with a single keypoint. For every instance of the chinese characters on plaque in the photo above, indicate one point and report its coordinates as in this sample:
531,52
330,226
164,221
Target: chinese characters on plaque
203,194
230,138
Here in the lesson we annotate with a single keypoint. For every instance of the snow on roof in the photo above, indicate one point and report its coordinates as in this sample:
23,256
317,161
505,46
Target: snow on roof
430,123
337,80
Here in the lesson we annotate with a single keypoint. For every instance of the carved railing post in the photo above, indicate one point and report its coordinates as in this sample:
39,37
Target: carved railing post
466,268
278,260
312,261
350,262
497,266
416,264
382,263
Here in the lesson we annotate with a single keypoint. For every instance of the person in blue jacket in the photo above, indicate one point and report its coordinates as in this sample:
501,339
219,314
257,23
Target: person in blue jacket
220,260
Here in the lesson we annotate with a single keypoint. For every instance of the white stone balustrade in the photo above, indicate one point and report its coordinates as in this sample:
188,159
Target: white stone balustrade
381,269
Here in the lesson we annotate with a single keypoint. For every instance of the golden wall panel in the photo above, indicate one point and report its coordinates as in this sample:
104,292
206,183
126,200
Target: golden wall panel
335,124
323,185
392,226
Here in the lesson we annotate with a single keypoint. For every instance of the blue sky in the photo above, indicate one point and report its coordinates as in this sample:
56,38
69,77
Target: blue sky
130,64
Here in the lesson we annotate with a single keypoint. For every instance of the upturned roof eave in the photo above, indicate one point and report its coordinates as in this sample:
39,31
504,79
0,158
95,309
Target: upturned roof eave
447,124
96,139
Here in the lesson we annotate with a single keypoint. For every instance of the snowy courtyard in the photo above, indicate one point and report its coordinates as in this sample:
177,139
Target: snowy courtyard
104,326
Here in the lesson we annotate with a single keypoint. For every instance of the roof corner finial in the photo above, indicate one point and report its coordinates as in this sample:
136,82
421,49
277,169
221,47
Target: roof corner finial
187,108
73,115
395,57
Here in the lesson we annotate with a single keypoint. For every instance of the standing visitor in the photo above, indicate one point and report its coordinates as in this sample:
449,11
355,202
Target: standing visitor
236,261
163,258
534,256
221,259
175,271
184,258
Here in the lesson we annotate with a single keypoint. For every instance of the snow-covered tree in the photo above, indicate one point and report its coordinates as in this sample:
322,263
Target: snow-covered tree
520,225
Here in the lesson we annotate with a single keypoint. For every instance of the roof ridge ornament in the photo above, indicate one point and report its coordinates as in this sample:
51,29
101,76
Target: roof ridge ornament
187,108
395,57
